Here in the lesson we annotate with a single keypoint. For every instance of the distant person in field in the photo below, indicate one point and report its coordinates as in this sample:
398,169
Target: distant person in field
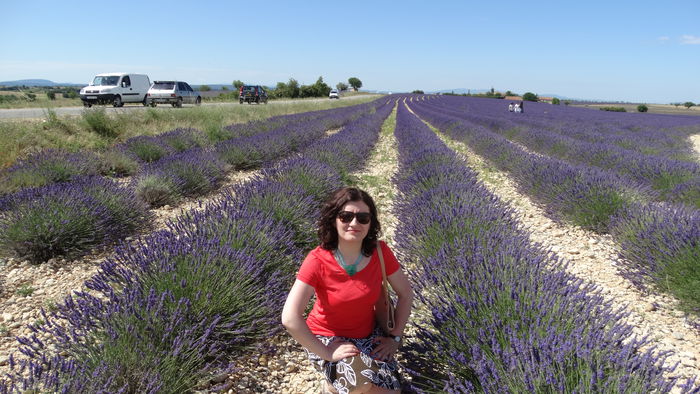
341,335
516,108
522,108
510,107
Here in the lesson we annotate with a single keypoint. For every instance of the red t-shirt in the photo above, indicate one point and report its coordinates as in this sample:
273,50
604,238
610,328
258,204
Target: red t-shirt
344,304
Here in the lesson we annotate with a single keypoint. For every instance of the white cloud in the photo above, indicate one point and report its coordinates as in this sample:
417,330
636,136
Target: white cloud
663,39
690,40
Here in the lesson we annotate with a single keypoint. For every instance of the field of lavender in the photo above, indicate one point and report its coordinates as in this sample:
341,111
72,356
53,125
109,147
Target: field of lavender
513,318
597,185
170,308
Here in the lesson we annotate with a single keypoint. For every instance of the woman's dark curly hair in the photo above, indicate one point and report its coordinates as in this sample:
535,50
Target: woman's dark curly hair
327,232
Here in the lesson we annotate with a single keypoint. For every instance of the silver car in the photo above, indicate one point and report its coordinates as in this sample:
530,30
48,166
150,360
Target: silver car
175,93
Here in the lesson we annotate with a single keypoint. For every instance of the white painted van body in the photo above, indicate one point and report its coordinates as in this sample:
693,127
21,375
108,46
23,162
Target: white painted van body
116,89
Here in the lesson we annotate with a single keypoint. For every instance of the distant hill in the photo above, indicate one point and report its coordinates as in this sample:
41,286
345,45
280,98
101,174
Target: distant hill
36,82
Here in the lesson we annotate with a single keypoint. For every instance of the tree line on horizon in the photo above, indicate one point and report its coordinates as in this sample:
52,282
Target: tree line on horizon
293,89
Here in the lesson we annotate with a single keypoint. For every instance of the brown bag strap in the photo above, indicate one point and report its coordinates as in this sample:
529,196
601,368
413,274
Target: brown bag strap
385,283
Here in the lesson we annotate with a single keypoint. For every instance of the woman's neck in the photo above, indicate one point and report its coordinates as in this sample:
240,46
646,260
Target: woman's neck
350,248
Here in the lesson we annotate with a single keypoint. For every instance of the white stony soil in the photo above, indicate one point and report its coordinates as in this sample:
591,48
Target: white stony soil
695,140
593,257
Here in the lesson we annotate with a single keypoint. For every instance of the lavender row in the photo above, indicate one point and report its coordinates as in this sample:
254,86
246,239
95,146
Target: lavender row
66,219
71,218
654,134
583,195
195,172
660,240
661,243
505,317
54,166
256,150
181,304
150,149
192,173
49,221
673,180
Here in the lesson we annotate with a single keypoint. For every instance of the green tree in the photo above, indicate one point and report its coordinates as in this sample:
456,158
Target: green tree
280,90
307,91
320,88
204,88
355,83
642,108
509,93
287,90
688,104
51,94
417,91
556,101
237,84
224,88
567,102
293,89
529,96
342,86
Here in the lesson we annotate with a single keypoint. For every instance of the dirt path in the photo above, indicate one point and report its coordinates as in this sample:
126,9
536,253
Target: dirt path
595,258
695,139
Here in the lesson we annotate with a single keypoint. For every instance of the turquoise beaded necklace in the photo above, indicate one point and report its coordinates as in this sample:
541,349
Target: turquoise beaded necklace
351,269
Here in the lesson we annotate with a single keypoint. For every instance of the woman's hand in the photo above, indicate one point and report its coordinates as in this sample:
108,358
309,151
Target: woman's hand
339,350
385,348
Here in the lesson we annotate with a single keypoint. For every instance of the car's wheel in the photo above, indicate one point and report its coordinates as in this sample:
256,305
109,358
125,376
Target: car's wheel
179,102
145,101
153,104
240,101
198,102
118,101
87,105
257,100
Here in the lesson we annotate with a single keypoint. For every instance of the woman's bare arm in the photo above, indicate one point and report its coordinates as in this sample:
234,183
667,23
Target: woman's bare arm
293,321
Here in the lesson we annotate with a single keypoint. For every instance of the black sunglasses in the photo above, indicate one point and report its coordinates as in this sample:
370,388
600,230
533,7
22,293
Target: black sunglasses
347,217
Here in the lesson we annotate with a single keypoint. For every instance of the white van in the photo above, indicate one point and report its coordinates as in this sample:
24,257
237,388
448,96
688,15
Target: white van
116,89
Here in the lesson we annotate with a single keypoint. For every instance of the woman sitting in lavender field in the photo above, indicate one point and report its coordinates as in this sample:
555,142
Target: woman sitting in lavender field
340,335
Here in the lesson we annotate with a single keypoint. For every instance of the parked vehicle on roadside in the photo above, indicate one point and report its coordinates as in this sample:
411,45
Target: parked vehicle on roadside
174,93
252,94
116,89
333,94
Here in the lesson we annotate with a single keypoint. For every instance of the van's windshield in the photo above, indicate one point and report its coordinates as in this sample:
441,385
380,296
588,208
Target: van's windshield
106,81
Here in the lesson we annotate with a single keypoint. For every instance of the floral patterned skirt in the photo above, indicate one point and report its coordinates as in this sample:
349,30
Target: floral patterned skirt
352,372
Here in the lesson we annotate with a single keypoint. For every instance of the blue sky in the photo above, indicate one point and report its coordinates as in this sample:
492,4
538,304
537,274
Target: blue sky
641,51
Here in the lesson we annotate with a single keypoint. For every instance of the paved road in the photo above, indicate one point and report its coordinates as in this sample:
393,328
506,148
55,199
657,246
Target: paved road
40,113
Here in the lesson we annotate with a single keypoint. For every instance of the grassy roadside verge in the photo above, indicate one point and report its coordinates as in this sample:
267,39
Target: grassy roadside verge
23,137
